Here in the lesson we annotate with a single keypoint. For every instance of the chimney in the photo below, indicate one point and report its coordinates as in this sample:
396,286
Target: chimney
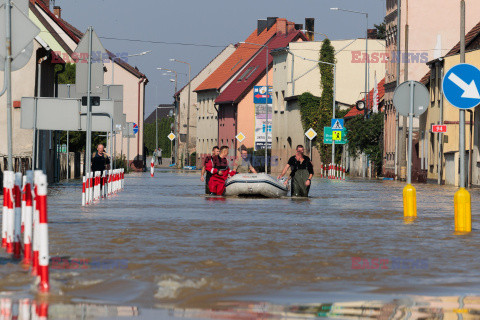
290,26
261,25
298,26
271,22
372,34
57,11
282,26
310,27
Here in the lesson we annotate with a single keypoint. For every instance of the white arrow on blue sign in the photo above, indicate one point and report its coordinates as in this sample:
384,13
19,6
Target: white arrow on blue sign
460,86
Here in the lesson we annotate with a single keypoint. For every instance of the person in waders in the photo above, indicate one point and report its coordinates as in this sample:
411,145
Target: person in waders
100,160
301,173
208,159
243,165
220,171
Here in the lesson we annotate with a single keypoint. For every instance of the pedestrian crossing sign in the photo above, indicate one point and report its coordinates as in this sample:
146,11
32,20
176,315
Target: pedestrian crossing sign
337,124
337,135
240,137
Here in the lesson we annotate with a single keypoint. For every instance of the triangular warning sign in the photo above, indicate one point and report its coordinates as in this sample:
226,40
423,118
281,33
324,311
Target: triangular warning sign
337,126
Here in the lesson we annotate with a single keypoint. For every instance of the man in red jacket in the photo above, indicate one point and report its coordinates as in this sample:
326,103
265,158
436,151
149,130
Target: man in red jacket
220,171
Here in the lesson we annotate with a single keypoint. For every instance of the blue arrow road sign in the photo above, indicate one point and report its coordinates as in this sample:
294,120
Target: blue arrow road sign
460,86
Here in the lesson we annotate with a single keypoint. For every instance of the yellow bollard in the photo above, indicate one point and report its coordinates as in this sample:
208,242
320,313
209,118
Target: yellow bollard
409,201
463,211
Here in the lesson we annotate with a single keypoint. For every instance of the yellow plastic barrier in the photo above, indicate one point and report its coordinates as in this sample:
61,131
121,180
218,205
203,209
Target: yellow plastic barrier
463,211
409,201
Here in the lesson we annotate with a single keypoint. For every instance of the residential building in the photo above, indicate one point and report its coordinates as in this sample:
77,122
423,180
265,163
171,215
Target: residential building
36,78
236,109
213,86
162,111
134,83
192,116
296,72
439,152
425,41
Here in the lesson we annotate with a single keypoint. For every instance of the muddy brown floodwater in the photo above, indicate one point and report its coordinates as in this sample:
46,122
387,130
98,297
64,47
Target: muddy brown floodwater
161,244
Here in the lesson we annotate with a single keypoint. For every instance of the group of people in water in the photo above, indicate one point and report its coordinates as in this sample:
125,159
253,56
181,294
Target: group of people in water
215,171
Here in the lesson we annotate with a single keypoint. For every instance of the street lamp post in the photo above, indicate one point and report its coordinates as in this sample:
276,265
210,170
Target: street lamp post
367,66
129,56
188,107
314,32
177,113
266,101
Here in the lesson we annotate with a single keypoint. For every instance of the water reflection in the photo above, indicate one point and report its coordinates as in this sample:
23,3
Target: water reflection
410,307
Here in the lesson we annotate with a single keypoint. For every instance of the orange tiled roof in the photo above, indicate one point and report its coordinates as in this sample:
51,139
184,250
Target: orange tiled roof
381,93
237,60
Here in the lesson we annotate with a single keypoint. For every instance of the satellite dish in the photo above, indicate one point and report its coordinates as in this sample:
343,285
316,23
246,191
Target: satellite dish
20,60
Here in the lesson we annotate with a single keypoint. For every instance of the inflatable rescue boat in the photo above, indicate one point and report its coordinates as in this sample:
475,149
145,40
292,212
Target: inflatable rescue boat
255,184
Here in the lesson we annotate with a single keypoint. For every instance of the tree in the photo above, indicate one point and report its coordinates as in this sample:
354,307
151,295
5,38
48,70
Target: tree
317,112
366,136
381,30
327,54
164,129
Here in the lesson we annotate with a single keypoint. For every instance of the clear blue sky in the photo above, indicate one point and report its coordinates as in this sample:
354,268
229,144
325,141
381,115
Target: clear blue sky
203,22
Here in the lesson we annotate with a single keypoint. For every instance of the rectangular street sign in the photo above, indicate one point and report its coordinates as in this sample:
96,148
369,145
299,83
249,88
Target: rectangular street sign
129,133
114,92
439,128
52,114
328,136
69,114
260,94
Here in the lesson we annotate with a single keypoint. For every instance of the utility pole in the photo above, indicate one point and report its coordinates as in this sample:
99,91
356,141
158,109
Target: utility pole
188,113
8,80
402,145
397,116
88,147
461,147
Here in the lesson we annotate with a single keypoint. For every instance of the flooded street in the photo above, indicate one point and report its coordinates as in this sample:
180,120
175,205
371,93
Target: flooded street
162,244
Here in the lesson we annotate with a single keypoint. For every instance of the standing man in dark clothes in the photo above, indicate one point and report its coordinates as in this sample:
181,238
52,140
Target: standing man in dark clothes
215,152
100,160
301,173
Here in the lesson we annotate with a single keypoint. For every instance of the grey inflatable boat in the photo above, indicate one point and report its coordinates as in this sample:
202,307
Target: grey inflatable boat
255,184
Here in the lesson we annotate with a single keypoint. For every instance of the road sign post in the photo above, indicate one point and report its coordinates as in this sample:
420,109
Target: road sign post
311,134
461,90
410,99
16,34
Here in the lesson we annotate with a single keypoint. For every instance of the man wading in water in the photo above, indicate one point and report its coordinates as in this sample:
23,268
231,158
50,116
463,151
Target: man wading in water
100,160
301,174
220,171
208,159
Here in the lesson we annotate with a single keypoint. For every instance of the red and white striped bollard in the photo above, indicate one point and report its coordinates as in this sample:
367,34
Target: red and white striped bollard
43,259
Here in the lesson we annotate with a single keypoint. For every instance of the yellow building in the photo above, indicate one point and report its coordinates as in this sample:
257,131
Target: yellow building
442,148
